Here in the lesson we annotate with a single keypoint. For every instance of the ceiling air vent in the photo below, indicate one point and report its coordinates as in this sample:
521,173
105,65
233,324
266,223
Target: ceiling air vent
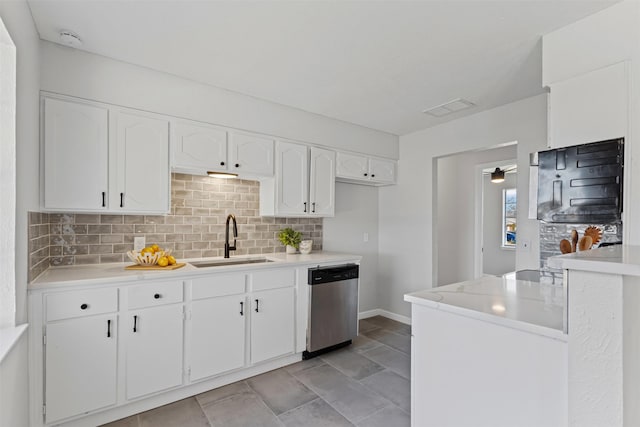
450,107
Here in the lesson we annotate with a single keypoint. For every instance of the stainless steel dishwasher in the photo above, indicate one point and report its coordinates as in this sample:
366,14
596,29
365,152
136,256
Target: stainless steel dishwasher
333,308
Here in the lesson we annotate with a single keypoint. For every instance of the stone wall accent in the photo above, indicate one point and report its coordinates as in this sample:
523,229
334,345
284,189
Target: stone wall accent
195,228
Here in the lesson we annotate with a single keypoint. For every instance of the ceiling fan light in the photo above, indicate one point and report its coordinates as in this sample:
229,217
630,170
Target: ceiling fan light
497,176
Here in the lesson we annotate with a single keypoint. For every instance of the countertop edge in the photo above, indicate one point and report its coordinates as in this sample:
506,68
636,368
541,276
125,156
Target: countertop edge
619,259
545,331
119,275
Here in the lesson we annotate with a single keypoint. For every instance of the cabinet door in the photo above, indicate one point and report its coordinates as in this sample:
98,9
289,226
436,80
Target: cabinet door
153,350
352,166
382,170
198,146
272,320
75,143
292,179
142,163
322,182
250,154
80,366
217,335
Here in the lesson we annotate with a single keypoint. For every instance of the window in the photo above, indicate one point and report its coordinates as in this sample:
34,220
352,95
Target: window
509,217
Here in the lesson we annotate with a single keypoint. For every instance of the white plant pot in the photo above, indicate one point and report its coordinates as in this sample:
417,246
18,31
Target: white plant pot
291,249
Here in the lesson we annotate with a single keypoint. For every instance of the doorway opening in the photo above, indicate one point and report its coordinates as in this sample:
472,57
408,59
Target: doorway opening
458,225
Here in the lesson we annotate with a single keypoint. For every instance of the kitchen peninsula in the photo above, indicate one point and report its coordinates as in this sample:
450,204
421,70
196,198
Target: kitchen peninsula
489,352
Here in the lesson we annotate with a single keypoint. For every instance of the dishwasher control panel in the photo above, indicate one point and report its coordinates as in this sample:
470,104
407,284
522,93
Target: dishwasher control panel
334,273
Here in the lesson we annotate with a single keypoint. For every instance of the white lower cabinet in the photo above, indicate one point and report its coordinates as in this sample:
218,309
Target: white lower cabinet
217,336
80,366
272,323
153,350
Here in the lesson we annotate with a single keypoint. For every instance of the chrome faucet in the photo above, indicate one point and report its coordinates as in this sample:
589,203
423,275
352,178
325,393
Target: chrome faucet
227,247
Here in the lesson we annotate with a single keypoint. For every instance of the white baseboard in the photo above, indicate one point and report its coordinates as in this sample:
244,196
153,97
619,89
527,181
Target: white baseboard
380,312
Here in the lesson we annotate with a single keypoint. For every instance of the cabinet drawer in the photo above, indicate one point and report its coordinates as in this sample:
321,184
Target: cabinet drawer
272,279
217,286
67,305
153,294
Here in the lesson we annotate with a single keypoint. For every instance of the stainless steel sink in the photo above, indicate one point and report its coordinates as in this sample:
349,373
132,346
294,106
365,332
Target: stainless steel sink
230,261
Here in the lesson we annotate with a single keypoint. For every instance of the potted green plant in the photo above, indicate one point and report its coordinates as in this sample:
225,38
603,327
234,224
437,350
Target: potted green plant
290,238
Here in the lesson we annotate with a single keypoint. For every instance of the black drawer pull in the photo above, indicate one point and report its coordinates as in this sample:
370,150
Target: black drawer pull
104,200
305,207
135,323
313,209
241,308
157,296
122,200
257,306
109,328
84,306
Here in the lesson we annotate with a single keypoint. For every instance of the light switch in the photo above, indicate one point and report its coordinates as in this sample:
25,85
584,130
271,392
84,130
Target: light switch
365,237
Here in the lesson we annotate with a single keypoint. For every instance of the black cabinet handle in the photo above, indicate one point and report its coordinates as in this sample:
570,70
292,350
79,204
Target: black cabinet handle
135,323
157,296
122,200
373,175
305,206
109,328
257,306
221,163
366,174
241,308
84,306
237,165
313,207
104,199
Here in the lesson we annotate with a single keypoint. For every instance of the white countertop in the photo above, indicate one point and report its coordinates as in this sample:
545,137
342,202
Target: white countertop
519,304
617,259
115,272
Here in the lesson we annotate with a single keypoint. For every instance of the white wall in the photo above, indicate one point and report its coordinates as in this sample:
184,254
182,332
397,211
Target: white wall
17,18
77,73
406,210
14,387
496,260
356,214
455,224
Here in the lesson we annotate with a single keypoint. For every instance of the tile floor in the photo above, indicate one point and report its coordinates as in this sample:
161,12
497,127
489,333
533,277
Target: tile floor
364,384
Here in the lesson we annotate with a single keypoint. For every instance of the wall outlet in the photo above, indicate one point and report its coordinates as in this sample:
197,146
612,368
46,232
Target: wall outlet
365,237
138,243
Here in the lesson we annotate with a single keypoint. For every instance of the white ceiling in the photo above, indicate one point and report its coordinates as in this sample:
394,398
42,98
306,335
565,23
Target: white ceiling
378,64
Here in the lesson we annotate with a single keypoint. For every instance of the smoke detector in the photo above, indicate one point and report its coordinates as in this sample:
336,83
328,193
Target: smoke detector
69,38
450,107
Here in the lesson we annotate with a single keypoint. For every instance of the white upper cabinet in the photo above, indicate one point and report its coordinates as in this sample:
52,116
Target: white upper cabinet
365,170
101,158
304,184
250,154
198,147
588,108
292,179
75,153
142,163
322,181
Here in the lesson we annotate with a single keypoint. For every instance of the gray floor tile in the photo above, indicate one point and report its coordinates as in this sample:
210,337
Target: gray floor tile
352,364
393,387
390,325
131,421
316,413
183,413
353,400
395,360
365,325
281,391
392,339
223,392
363,343
391,416
305,364
240,410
